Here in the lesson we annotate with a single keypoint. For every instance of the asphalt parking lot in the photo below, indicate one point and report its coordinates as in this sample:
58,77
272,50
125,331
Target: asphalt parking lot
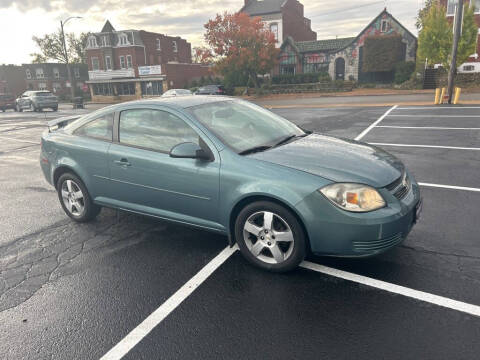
147,289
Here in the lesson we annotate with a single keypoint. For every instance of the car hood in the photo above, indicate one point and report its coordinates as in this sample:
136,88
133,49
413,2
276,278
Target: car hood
336,159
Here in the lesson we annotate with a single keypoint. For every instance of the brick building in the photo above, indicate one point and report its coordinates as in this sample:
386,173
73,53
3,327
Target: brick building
54,77
342,57
129,64
11,80
473,63
283,17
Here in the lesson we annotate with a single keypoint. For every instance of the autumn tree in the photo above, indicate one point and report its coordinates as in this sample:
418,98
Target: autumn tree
202,55
51,48
242,44
436,37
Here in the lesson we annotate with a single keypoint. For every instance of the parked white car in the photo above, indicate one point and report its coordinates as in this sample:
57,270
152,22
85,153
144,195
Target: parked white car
37,101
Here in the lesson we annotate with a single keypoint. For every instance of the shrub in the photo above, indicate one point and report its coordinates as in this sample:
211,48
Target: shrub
403,71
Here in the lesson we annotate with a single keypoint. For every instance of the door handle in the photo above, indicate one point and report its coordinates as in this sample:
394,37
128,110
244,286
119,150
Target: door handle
122,162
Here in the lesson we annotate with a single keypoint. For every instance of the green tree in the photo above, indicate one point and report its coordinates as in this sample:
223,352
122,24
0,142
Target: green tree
435,37
51,48
422,13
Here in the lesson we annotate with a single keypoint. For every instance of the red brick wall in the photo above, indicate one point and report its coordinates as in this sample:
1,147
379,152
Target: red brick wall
166,54
178,75
293,22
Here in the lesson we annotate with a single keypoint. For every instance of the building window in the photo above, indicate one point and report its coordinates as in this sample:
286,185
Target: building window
108,63
28,73
384,26
476,3
42,86
129,61
92,42
76,72
468,68
39,73
95,64
105,40
56,73
152,88
122,62
122,39
103,89
124,89
174,45
315,63
274,30
452,4
56,87
158,45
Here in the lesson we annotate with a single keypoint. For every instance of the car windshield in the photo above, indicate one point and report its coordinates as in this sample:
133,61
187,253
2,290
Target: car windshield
43,93
244,126
183,92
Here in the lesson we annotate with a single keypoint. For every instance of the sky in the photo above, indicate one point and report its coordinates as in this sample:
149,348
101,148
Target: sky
22,19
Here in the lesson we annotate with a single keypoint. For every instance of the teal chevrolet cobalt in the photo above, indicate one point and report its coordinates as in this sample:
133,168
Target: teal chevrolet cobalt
230,166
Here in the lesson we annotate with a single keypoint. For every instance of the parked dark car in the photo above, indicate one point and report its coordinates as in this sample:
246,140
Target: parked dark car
7,102
211,90
37,101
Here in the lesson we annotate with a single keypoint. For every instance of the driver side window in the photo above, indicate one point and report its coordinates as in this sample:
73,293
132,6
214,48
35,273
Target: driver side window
154,130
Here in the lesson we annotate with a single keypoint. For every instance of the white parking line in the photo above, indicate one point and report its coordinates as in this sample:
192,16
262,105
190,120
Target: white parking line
155,318
19,140
427,127
365,132
438,108
436,116
449,187
427,146
396,289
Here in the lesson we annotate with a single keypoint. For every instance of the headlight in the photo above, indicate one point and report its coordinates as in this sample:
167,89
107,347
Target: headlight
353,197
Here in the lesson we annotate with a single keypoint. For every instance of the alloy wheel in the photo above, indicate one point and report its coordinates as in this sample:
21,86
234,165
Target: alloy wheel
268,237
73,198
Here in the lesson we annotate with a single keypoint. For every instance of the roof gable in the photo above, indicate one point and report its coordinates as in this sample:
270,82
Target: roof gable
255,7
108,27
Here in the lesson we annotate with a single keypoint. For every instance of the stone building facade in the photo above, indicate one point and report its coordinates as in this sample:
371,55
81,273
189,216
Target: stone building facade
342,57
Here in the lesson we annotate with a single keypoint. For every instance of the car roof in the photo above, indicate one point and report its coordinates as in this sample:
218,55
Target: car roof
181,101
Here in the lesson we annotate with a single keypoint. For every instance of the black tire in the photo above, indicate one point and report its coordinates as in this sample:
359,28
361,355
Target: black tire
19,109
91,210
55,108
299,244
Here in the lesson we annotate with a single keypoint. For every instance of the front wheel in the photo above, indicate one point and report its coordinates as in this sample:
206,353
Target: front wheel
270,236
19,108
75,199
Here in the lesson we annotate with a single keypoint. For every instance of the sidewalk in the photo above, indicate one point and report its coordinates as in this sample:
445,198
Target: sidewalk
358,97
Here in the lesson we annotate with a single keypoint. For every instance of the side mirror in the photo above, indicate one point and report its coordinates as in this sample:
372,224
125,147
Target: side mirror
189,150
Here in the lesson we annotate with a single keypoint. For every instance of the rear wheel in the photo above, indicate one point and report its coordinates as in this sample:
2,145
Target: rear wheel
270,236
75,199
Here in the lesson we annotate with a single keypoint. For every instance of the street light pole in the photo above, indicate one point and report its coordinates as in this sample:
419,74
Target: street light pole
62,24
456,38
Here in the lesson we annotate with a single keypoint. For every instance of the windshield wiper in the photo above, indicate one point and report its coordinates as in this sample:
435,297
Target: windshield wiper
255,149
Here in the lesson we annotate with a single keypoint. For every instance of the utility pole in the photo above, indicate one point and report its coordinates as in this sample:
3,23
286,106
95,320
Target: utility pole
457,28
72,87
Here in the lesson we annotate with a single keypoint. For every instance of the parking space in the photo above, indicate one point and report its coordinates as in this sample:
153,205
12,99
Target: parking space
129,285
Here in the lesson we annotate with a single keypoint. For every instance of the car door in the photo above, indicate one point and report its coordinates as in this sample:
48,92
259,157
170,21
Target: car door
146,179
24,100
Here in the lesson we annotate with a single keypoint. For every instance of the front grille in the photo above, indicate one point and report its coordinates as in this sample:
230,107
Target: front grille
375,245
400,187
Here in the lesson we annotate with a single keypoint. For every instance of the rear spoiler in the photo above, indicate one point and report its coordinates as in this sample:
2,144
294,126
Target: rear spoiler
54,125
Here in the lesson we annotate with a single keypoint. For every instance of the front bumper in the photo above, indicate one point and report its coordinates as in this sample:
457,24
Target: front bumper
335,232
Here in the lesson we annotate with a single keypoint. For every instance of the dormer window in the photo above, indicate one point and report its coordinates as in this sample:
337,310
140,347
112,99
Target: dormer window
123,39
174,45
158,44
105,40
92,42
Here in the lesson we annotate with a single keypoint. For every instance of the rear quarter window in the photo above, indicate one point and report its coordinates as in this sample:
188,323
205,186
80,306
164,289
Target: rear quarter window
101,128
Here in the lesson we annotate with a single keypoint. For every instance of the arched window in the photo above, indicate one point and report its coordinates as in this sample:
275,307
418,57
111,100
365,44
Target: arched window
92,42
122,39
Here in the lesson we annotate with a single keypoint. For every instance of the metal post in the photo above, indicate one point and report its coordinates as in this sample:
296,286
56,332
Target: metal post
72,89
456,38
